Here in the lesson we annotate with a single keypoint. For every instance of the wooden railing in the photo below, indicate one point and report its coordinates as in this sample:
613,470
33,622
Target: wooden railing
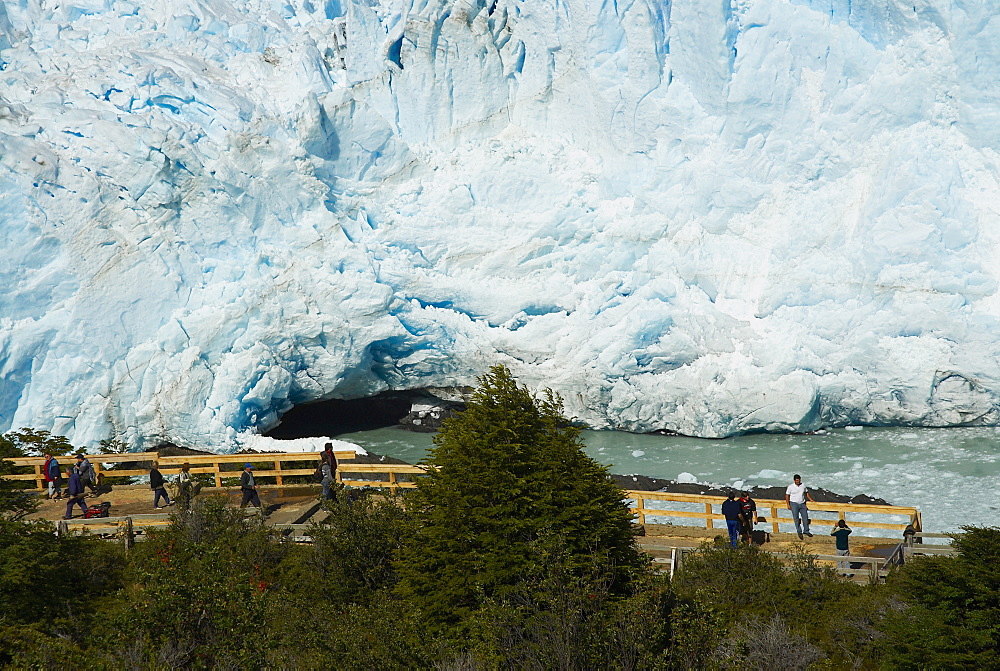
916,545
868,569
215,464
67,461
392,472
771,509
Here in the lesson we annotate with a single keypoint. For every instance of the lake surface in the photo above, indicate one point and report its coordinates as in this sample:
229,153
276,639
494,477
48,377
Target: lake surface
951,475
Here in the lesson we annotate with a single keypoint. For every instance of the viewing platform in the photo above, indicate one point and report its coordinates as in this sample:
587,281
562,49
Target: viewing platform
672,523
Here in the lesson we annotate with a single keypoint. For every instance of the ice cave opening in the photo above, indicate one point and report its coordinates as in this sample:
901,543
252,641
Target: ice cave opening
334,417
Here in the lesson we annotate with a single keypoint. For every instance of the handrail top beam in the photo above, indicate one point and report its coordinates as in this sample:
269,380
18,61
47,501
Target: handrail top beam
69,458
346,455
817,506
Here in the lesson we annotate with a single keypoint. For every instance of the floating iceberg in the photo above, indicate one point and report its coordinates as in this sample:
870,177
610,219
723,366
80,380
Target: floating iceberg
709,218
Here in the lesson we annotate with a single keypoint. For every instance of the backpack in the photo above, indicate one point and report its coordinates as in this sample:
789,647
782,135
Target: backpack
98,510
318,474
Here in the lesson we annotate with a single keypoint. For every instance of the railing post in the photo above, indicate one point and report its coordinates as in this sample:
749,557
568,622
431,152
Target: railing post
392,482
774,519
278,478
39,479
218,473
708,516
128,534
640,505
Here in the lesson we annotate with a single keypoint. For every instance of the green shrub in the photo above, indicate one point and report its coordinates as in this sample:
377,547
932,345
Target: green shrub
16,498
199,593
44,578
353,550
947,612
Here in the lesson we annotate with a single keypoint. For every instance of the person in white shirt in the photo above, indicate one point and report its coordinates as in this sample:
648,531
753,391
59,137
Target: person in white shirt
795,498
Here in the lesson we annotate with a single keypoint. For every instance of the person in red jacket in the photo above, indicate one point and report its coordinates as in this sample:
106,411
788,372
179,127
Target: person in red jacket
749,511
50,471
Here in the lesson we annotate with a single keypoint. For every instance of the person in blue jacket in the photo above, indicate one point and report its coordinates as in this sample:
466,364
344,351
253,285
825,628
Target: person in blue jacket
52,476
74,490
733,512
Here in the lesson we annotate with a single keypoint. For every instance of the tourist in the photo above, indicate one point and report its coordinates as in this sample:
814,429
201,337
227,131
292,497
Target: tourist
796,497
185,487
760,536
74,493
733,513
327,472
841,531
85,470
331,458
50,471
749,510
156,483
249,487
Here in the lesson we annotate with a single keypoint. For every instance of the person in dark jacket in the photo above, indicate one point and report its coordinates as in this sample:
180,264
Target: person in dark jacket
840,532
85,470
749,507
330,492
50,471
328,474
74,493
156,483
733,512
249,487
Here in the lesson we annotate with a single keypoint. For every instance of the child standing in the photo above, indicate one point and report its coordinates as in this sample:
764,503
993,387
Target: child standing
841,532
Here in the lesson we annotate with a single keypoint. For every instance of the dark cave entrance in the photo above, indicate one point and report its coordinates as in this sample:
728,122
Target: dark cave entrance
335,417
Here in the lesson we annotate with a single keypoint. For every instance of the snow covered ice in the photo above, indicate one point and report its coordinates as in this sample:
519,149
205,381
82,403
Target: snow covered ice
705,217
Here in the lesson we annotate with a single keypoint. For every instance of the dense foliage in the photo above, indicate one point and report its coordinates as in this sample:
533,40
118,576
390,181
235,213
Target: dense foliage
33,442
15,501
951,613
218,590
509,494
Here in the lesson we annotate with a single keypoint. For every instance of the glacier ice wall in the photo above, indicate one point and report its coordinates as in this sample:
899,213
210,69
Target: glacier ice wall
709,217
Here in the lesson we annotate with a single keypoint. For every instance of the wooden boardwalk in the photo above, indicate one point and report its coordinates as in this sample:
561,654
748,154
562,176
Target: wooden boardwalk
272,470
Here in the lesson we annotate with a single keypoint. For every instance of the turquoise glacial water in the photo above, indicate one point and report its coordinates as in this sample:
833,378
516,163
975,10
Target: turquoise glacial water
951,475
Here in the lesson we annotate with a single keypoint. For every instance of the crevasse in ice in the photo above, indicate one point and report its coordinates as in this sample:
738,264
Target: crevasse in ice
709,217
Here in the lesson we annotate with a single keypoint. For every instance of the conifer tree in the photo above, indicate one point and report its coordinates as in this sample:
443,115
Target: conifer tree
16,501
508,485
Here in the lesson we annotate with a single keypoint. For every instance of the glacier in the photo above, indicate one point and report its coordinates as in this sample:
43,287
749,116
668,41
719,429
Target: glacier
705,217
